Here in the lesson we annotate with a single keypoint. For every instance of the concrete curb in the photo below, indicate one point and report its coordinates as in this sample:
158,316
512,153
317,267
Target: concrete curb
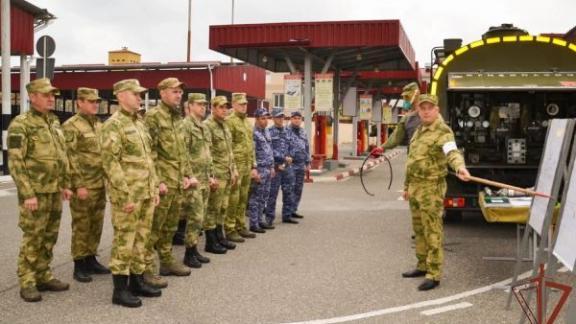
356,171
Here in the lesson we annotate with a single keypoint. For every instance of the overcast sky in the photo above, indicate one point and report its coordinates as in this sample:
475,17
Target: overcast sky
86,29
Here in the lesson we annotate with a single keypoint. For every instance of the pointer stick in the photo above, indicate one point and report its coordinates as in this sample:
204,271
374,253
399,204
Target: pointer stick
507,186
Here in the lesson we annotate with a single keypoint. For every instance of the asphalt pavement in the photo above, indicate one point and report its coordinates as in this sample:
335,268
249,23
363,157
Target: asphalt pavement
341,264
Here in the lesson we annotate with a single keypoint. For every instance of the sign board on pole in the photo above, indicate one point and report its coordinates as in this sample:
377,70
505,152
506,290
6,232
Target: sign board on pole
377,111
45,68
323,92
365,107
387,114
564,249
350,102
45,46
292,93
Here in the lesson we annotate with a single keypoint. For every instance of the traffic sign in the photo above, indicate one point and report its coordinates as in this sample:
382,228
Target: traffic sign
45,46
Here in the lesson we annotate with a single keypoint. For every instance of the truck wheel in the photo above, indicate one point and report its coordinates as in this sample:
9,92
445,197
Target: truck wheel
452,216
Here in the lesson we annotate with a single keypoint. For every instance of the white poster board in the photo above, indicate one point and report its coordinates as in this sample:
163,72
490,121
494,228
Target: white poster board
323,92
365,105
565,247
350,102
547,172
292,93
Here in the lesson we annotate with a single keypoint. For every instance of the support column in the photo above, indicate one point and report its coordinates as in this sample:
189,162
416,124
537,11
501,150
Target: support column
24,80
308,96
336,115
6,86
354,135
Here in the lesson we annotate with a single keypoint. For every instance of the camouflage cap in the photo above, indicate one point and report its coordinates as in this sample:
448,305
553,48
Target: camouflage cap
427,98
239,97
262,112
170,83
128,85
41,86
410,88
197,97
87,94
278,112
219,101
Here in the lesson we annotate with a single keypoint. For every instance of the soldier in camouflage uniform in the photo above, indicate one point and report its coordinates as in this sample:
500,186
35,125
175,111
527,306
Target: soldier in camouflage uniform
283,170
260,188
243,147
432,150
38,164
225,174
174,173
197,141
133,189
299,150
87,179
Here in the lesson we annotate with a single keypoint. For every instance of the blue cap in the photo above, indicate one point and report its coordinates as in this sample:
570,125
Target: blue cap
278,112
262,112
296,113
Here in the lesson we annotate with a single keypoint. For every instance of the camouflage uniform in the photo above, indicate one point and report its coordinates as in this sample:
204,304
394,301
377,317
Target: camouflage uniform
283,178
169,153
432,149
81,132
260,191
38,164
129,167
224,167
243,148
299,150
197,140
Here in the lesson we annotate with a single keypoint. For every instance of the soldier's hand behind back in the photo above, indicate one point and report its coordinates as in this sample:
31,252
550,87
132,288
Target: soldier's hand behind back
67,194
129,207
82,193
31,204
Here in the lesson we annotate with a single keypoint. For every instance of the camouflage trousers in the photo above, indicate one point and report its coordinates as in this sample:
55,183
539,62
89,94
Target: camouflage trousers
164,225
217,205
194,209
131,237
427,206
40,233
298,185
87,222
282,179
238,202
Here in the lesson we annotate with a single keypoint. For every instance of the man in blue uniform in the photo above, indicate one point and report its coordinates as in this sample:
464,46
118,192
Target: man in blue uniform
299,150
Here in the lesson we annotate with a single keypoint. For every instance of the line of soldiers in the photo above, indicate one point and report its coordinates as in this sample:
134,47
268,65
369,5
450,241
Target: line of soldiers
167,177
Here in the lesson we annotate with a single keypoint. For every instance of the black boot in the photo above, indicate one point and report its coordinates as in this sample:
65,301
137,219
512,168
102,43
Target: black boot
93,266
123,296
222,239
80,271
190,259
212,244
140,288
199,256
180,234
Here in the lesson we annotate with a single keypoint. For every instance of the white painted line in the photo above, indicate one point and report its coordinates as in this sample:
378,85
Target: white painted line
7,193
445,309
422,304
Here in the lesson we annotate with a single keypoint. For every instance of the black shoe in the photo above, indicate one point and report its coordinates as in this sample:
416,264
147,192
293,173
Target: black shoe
428,284
222,239
123,296
80,271
93,266
199,256
190,259
290,221
414,274
212,244
257,230
139,287
180,234
266,226
296,215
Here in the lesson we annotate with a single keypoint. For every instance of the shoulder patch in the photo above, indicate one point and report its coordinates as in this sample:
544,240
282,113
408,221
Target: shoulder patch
14,141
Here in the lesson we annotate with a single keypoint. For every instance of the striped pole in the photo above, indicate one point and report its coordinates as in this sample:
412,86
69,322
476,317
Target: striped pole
6,91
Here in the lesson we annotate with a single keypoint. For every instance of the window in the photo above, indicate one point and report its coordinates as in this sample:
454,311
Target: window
279,100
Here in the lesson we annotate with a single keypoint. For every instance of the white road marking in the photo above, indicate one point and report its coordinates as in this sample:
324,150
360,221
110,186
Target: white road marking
7,193
445,309
422,304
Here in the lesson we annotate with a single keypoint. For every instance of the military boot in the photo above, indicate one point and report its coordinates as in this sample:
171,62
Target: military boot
95,267
122,296
154,280
180,234
139,287
30,294
246,233
174,269
190,259
199,256
212,244
222,239
53,285
235,237
81,273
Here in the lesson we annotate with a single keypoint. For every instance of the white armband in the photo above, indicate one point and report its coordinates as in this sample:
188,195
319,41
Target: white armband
448,147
